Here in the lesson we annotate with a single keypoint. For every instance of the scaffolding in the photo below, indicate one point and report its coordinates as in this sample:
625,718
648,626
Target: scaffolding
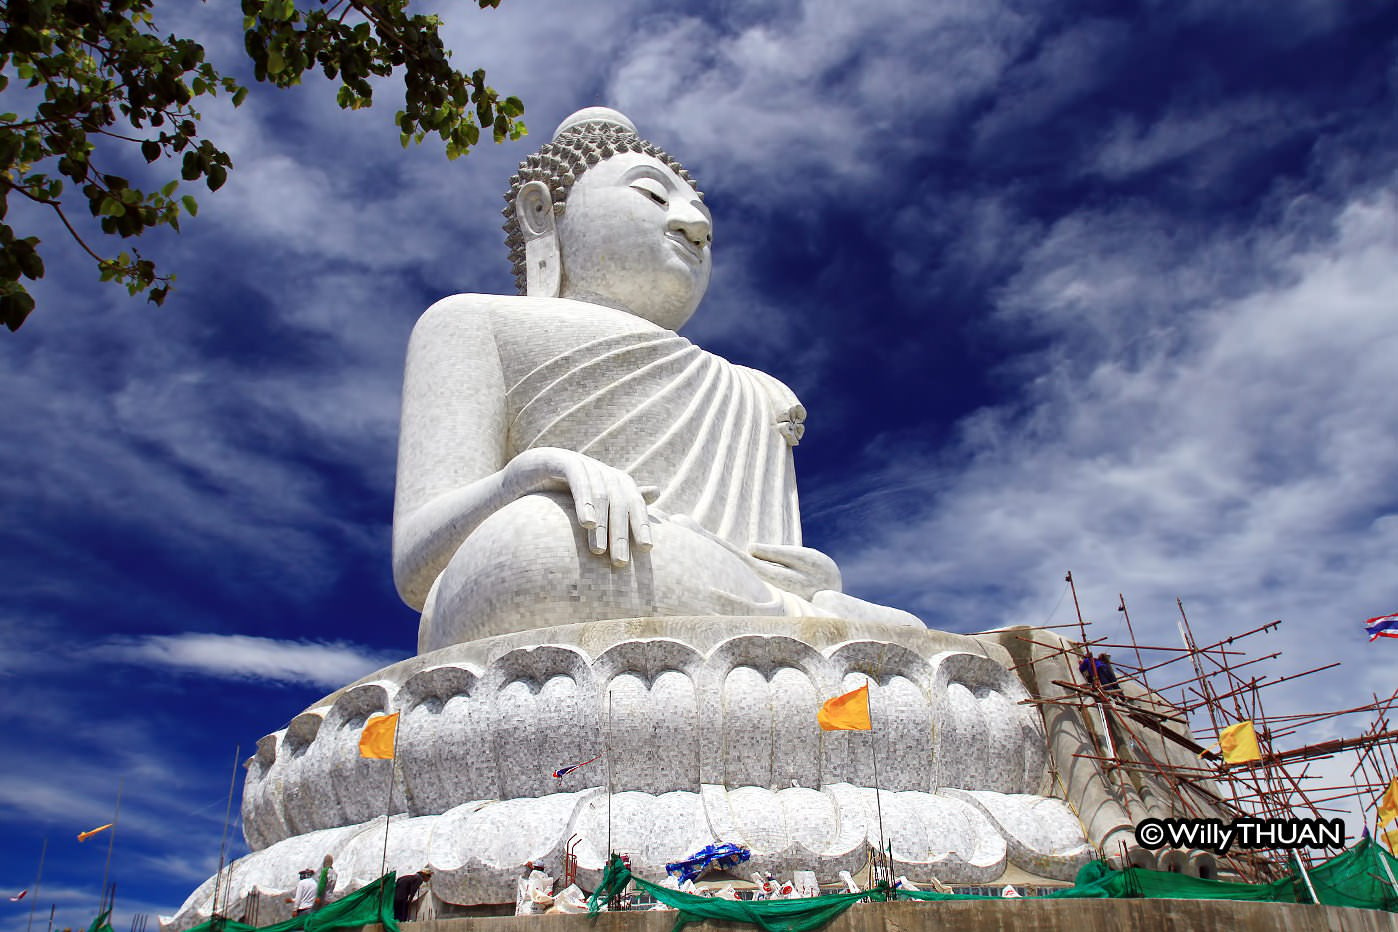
1141,741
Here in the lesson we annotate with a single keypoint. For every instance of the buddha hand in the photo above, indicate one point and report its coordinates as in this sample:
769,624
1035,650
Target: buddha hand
608,503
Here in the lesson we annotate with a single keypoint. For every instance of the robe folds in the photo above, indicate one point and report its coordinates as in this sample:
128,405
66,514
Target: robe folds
713,437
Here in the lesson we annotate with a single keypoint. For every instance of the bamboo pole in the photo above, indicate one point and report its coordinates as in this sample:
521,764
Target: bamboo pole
223,843
878,803
111,840
38,879
388,801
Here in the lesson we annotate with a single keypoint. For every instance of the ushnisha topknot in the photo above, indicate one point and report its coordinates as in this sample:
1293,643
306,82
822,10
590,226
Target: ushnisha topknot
581,141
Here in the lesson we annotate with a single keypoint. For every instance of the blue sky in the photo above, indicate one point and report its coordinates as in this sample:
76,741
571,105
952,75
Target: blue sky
1088,285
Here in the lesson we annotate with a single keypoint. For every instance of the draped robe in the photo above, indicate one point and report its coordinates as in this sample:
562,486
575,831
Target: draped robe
704,431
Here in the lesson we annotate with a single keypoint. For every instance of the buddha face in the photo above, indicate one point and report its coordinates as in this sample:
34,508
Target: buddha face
635,236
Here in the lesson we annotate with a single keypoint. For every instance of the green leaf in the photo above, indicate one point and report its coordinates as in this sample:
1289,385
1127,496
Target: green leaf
15,307
30,263
191,205
150,149
112,207
275,63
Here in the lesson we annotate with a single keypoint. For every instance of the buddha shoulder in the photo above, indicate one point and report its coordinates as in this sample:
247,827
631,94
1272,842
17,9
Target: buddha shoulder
514,318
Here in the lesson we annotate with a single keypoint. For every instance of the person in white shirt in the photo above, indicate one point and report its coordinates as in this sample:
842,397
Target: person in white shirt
303,899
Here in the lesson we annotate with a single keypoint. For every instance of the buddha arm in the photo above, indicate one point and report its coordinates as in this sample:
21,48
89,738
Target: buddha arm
454,469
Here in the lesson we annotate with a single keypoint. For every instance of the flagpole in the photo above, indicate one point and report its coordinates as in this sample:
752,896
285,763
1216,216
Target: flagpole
607,755
34,904
1306,876
1379,840
874,746
388,803
223,843
111,839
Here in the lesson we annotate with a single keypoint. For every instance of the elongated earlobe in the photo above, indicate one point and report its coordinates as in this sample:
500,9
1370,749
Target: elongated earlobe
543,267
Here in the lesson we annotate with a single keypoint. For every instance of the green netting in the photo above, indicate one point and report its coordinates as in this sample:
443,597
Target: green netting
103,922
1360,877
801,915
1364,876
1356,878
366,906
1139,882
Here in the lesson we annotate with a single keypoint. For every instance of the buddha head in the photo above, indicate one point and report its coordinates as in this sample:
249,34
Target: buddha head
603,216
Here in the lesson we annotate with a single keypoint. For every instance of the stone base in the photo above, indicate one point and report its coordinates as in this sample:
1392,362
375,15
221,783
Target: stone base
476,849
710,735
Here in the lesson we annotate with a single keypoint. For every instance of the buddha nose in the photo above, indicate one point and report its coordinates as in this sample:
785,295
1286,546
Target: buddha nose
688,220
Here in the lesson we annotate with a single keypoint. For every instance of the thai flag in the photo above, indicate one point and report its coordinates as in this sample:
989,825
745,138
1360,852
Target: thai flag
20,895
1384,626
562,772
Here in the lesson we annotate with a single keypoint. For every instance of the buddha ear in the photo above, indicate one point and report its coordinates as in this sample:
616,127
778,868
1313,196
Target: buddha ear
543,267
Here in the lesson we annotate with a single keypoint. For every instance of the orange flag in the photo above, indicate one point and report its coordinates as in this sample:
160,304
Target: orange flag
1388,805
849,712
1239,743
376,741
84,836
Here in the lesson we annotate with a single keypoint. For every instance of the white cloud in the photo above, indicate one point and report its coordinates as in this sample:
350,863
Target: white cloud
1238,454
821,90
1065,67
239,657
1201,140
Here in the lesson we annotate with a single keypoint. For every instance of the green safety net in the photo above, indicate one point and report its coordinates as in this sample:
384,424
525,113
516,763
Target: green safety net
369,905
800,915
1365,876
1166,885
1357,878
103,922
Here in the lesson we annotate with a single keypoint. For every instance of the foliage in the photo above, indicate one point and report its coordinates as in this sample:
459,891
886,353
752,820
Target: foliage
99,79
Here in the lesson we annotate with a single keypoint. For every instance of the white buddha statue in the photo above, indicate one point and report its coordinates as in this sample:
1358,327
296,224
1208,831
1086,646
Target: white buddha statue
565,456
599,523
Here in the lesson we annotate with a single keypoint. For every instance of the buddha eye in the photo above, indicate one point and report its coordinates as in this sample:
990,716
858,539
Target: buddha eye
650,189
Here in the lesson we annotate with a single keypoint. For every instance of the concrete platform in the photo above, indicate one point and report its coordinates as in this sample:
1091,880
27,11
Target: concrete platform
987,916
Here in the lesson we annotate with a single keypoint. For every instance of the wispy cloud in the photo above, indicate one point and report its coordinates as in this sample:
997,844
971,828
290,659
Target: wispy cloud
1210,137
1240,457
815,90
239,657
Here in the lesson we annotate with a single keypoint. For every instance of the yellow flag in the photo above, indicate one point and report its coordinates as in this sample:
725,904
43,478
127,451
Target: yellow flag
1390,838
1239,743
849,712
1388,804
376,740
84,836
